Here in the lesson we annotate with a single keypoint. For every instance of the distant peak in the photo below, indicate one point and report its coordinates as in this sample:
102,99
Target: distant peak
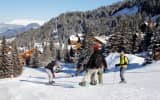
25,22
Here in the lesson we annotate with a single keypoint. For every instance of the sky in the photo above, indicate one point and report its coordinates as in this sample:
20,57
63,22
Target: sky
43,10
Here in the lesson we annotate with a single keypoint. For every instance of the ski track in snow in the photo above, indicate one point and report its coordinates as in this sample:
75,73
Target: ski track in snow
142,84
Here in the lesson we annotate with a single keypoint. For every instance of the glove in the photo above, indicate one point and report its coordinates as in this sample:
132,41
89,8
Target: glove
116,65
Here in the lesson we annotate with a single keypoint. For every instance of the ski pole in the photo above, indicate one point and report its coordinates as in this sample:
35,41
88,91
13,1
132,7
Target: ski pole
114,75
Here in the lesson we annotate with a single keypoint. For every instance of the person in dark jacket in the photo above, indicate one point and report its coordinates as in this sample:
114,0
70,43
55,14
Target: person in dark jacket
94,66
50,71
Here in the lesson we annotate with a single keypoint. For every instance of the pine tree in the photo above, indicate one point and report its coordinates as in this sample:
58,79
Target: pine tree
35,61
16,64
156,46
5,65
46,57
148,35
65,49
52,49
120,41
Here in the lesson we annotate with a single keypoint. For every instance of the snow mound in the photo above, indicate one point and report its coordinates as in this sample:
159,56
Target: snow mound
113,59
155,17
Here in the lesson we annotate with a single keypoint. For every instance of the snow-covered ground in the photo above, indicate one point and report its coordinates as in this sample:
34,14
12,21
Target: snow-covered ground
127,11
142,84
155,17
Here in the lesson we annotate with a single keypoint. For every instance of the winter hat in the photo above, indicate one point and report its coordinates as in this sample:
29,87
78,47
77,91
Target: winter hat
97,47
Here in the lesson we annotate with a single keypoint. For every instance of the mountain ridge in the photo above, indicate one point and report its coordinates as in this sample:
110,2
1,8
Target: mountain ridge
99,21
11,30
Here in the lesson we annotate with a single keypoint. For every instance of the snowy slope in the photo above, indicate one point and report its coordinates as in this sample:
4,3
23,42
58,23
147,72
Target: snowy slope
155,17
113,59
142,84
127,11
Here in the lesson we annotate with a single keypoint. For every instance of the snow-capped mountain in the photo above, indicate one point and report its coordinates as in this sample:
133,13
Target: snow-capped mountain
26,21
4,27
11,30
32,26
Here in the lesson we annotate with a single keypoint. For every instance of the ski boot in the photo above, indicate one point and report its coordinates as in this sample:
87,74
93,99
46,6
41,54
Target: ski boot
122,82
93,82
82,83
52,82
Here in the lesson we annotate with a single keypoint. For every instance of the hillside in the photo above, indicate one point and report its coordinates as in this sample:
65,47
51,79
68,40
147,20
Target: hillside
104,20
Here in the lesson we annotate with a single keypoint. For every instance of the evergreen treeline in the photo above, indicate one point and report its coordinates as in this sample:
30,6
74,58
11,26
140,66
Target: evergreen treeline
10,65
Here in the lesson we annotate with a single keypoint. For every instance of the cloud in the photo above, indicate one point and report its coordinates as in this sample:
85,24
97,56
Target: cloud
25,21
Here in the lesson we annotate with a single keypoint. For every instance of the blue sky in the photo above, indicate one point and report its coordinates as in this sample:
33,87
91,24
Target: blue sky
45,9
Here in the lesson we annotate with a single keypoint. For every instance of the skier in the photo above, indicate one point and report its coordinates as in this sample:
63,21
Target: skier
50,71
94,66
123,66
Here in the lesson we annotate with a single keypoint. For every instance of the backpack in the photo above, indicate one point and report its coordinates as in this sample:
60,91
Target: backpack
126,60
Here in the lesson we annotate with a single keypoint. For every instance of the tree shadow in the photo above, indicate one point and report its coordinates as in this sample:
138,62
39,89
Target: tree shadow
41,69
68,65
38,77
69,71
156,71
68,82
36,82
134,66
129,67
59,77
47,84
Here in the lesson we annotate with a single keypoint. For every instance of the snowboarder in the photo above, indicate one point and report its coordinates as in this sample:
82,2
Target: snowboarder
50,71
123,66
94,66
